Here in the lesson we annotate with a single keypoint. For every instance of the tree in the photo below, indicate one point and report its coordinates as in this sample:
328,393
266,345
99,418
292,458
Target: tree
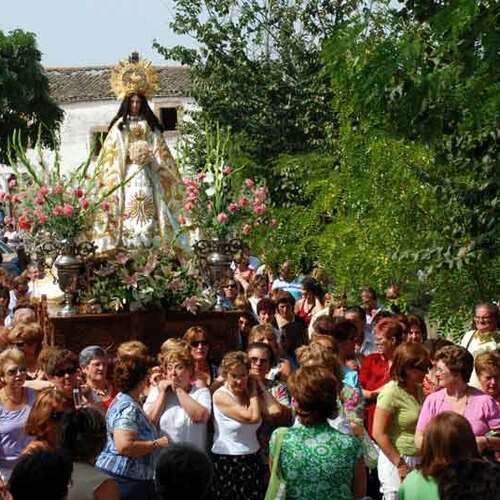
25,104
258,69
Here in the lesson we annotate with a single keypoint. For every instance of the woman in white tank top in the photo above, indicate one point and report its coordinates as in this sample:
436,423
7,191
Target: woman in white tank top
237,416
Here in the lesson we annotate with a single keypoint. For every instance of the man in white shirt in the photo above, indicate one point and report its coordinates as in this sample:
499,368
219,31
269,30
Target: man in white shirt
485,337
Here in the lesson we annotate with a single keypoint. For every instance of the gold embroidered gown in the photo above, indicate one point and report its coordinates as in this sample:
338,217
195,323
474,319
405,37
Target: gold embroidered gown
146,207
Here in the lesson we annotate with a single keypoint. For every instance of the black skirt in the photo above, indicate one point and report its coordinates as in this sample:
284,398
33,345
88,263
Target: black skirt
237,477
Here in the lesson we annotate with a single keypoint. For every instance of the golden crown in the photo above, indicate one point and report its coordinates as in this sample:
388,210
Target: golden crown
134,76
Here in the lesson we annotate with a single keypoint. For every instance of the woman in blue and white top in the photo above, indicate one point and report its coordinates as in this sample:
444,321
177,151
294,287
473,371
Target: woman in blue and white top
128,456
237,416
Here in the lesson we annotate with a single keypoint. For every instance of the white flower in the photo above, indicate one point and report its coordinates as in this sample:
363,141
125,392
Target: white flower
210,191
209,178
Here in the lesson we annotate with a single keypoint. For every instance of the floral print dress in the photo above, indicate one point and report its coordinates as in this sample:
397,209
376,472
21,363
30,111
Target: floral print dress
318,462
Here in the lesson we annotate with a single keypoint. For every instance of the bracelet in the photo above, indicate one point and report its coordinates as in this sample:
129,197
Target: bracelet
155,444
401,463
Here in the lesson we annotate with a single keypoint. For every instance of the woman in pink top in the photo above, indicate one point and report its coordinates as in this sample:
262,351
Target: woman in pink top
454,365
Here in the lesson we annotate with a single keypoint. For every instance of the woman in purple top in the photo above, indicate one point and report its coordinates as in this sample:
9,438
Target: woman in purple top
454,365
15,405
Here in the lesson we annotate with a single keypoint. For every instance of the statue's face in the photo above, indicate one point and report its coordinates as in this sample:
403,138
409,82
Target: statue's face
135,105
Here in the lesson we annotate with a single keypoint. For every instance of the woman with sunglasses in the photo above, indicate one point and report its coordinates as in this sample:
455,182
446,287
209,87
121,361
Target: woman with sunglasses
205,372
16,402
396,415
44,419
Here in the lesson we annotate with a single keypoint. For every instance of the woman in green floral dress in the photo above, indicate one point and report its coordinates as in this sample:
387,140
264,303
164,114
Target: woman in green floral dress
317,461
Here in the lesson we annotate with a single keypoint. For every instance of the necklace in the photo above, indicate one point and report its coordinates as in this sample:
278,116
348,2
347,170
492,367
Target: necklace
456,402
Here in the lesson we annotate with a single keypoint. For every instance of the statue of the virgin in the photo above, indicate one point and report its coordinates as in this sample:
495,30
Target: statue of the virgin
135,153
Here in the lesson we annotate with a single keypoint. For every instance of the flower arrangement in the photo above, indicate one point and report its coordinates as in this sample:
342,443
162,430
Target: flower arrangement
139,281
44,199
217,202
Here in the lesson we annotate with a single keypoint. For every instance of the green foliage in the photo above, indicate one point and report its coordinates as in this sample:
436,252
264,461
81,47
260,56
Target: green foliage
258,69
25,103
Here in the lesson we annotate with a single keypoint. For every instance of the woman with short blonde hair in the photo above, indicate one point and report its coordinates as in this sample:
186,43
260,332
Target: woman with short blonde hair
16,402
28,337
176,405
237,416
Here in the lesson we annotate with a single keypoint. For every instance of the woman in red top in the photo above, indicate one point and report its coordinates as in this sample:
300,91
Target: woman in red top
310,303
374,373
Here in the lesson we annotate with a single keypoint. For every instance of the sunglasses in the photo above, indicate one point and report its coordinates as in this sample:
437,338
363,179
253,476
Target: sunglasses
231,285
199,343
65,371
21,370
258,361
422,366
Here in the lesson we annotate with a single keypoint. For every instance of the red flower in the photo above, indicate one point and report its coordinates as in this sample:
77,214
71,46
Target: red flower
227,170
24,222
247,230
105,206
57,210
42,218
78,192
57,189
182,220
233,207
259,209
39,200
188,206
84,203
249,183
43,191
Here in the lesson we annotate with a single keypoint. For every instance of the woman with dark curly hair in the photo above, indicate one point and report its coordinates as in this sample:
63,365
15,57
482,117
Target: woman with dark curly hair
317,461
311,301
132,441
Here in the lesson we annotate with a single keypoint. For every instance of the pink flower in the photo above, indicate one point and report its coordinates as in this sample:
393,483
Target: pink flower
131,280
39,200
260,194
191,304
222,218
227,170
247,230
42,218
105,206
182,220
84,203
57,210
57,189
43,191
2,195
12,183
233,207
188,206
68,209
249,183
191,196
259,209
243,202
78,192
200,176
122,258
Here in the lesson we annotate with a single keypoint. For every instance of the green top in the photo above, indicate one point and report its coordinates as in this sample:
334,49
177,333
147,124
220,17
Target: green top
317,462
405,410
417,487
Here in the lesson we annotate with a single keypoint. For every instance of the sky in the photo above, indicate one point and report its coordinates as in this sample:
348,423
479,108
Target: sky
93,32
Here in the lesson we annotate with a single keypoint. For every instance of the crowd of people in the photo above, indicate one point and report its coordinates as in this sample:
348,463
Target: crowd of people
323,400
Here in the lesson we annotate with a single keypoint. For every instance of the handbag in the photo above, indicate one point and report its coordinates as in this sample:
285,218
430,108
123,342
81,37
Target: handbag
276,490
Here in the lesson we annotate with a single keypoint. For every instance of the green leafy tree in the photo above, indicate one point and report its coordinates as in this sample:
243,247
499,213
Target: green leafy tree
25,104
258,69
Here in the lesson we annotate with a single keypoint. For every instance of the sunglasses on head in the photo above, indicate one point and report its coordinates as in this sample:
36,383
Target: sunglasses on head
199,343
230,285
66,371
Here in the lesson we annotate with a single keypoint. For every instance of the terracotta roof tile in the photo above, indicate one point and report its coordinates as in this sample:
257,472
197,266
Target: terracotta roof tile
91,83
